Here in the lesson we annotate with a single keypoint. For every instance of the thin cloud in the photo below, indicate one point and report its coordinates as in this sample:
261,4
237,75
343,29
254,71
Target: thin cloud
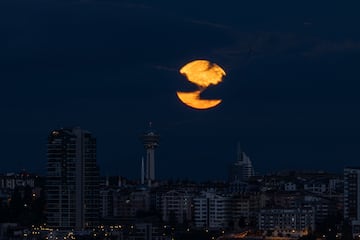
250,46
332,47
125,5
209,24
137,5
164,68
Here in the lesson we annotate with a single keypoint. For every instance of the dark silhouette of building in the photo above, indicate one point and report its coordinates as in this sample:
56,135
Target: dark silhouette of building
352,197
150,140
72,186
240,172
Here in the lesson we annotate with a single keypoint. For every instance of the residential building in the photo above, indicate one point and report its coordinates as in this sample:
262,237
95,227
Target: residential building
211,210
287,220
352,197
176,206
72,182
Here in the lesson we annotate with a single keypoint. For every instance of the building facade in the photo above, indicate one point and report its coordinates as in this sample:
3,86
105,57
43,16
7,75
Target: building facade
211,211
352,197
128,205
11,180
287,220
146,231
176,206
72,182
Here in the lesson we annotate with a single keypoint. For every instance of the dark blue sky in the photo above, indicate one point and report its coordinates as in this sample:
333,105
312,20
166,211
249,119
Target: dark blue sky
291,94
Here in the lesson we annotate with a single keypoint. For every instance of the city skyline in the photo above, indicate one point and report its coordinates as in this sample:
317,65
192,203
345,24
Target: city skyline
290,94
144,169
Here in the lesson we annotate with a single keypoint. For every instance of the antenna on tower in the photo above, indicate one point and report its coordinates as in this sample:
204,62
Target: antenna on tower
239,152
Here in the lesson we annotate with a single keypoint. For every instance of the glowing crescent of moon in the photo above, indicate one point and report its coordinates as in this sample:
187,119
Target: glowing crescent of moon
203,74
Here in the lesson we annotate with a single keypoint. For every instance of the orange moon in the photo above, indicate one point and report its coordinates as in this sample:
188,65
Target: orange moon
203,74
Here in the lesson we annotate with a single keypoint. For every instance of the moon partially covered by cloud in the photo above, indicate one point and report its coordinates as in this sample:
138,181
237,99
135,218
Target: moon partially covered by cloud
202,73
192,99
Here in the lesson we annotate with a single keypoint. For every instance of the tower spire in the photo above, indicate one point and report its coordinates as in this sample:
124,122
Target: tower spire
239,152
142,171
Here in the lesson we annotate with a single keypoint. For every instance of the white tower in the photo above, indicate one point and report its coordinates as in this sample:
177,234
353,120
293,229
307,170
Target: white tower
150,140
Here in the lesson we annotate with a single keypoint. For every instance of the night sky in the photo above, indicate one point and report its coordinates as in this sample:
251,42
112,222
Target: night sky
290,97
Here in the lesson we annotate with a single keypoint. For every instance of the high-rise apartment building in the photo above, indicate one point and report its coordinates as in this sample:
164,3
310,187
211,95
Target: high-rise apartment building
351,193
72,183
352,197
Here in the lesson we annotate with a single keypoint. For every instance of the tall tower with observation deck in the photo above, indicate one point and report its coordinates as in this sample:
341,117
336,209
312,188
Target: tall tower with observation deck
150,139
